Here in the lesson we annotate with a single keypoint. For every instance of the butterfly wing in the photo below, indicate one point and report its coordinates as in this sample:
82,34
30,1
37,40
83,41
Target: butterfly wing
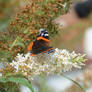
41,44
30,46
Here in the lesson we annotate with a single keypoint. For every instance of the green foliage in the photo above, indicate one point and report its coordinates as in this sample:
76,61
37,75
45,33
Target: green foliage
5,56
18,42
16,81
9,87
23,28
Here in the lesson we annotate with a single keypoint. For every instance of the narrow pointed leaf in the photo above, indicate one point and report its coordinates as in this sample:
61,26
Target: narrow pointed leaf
17,80
82,88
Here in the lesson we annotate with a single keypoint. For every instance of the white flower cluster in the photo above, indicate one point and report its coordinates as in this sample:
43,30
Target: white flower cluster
56,62
66,60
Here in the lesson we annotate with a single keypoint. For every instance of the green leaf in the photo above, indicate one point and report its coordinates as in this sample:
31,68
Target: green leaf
17,80
18,42
82,87
5,56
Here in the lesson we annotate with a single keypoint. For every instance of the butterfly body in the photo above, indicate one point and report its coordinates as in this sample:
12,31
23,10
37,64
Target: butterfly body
41,44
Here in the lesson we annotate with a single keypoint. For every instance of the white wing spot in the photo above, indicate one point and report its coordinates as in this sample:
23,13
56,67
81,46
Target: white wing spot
46,35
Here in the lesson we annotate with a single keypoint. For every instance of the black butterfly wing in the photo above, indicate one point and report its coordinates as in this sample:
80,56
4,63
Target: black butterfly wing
40,46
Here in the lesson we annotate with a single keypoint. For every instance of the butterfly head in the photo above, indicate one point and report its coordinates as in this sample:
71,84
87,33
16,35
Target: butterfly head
43,33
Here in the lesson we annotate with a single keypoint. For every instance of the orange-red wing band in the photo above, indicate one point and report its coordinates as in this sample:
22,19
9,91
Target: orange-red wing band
46,50
42,38
30,46
32,54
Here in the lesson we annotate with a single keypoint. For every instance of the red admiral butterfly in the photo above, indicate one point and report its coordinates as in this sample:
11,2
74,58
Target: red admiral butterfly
41,44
